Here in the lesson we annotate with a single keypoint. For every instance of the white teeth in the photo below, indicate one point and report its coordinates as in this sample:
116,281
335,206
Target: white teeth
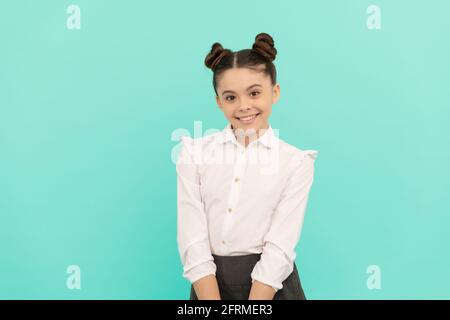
248,118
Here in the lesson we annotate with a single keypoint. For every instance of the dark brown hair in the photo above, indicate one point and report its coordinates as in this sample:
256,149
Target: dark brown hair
263,52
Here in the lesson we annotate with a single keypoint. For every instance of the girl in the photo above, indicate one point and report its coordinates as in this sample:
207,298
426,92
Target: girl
242,192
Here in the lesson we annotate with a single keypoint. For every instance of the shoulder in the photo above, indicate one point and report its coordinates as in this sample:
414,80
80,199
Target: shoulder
297,154
196,146
204,141
300,163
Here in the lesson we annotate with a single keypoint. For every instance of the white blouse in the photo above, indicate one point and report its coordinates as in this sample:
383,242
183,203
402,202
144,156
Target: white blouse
234,201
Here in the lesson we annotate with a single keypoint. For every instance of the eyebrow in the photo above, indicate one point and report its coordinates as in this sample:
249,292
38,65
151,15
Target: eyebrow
253,85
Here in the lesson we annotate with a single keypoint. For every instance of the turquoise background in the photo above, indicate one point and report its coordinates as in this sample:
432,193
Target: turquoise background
86,118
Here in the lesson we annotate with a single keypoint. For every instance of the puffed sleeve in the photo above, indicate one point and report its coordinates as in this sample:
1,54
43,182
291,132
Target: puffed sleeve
278,256
192,230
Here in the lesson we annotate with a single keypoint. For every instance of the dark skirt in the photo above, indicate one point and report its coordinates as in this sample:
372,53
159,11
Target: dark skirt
234,279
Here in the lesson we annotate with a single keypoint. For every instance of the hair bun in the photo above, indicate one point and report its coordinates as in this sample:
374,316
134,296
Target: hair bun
264,45
215,55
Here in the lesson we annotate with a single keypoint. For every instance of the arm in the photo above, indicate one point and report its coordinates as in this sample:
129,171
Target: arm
278,256
207,288
192,229
261,291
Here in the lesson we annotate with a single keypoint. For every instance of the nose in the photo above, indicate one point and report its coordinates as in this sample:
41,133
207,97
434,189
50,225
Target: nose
244,108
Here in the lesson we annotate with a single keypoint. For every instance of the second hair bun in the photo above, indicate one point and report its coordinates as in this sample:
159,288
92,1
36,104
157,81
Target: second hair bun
264,45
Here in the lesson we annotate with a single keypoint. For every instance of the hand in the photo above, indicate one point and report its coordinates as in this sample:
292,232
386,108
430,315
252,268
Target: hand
261,291
206,288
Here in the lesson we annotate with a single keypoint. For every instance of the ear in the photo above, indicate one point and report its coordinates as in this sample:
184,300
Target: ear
219,103
276,93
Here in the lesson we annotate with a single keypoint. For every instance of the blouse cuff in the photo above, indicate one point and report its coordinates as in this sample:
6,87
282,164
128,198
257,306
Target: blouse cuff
198,261
273,267
200,271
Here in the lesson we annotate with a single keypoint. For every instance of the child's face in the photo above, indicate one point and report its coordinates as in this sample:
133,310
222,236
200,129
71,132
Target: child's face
243,92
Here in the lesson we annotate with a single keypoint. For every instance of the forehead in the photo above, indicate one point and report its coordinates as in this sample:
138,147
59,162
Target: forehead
239,79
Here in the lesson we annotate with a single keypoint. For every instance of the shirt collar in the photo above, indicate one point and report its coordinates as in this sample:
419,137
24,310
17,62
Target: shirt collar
267,139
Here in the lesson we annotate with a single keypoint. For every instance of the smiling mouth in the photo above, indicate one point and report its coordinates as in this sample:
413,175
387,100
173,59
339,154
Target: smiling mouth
248,118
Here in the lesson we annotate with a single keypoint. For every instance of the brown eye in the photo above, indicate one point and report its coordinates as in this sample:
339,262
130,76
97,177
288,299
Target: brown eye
255,92
229,97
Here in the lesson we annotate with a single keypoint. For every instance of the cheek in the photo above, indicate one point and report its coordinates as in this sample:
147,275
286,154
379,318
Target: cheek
266,107
229,113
